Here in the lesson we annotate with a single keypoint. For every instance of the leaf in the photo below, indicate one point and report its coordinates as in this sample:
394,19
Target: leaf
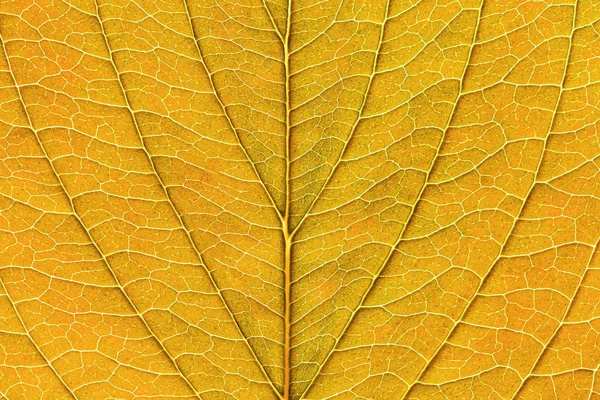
263,199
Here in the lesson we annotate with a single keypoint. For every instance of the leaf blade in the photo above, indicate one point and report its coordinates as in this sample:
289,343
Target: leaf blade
55,207
380,309
267,199
206,336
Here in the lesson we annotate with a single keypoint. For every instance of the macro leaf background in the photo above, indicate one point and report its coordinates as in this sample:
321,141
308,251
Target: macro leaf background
307,199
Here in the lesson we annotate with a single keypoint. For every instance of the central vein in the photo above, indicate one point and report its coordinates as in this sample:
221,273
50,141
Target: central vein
286,218
286,223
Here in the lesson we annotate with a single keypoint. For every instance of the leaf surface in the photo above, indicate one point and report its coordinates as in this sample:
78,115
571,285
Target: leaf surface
262,199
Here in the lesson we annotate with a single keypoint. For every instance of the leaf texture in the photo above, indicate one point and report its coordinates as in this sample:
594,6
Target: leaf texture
307,199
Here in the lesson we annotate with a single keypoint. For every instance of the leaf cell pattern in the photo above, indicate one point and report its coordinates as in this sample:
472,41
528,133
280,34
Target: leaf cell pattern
307,199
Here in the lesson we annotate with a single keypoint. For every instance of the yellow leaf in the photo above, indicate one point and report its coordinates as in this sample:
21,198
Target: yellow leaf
269,199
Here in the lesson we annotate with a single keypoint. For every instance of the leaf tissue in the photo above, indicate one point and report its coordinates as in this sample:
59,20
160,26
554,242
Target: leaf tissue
299,199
